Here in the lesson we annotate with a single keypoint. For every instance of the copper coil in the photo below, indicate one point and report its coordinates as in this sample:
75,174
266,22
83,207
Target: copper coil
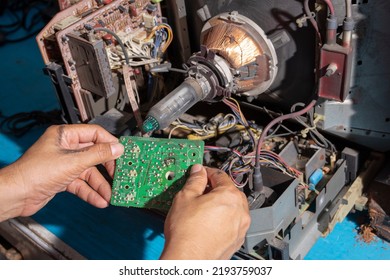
245,47
233,43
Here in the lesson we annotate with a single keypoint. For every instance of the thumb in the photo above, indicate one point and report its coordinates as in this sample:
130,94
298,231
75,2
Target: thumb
196,183
100,153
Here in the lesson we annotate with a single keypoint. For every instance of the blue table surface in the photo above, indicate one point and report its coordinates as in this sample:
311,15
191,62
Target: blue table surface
116,232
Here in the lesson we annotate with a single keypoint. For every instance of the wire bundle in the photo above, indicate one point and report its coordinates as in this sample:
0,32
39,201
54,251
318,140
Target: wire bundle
24,17
216,126
274,160
310,127
239,165
157,31
134,54
235,106
21,123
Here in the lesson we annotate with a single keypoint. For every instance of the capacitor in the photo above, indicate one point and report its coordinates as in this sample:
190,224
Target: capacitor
315,178
133,11
108,38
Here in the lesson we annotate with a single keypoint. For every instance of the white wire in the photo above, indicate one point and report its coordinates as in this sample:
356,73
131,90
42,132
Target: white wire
284,171
173,129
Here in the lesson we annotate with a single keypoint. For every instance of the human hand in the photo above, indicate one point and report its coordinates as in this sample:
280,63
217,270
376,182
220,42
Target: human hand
206,225
63,158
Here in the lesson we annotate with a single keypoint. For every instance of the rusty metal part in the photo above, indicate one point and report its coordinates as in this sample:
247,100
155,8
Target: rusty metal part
379,203
380,220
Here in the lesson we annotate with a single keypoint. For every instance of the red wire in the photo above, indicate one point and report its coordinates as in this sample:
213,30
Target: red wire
330,5
275,121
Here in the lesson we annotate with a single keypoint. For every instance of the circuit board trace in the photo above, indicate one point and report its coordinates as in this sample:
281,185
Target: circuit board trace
151,171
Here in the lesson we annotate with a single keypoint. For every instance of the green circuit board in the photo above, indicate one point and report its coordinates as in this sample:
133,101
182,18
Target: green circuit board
152,170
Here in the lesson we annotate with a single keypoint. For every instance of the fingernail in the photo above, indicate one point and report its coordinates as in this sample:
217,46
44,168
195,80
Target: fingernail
103,203
117,149
196,168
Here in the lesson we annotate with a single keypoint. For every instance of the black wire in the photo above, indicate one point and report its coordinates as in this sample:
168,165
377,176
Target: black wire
20,39
21,123
117,39
29,17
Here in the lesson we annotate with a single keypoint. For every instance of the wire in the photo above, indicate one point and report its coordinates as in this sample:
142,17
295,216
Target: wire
271,115
169,35
275,121
279,160
236,167
21,123
138,56
313,22
239,165
97,29
310,15
348,8
330,6
173,129
235,106
26,16
234,175
317,137
216,126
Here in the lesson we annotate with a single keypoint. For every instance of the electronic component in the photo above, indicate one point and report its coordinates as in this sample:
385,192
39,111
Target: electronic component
151,171
236,57
315,178
95,74
335,63
93,41
173,105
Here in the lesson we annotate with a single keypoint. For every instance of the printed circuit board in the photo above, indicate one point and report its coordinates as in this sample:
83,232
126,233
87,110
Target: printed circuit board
152,170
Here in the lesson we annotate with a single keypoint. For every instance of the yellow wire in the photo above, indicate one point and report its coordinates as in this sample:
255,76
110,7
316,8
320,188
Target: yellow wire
221,131
239,109
169,32
176,127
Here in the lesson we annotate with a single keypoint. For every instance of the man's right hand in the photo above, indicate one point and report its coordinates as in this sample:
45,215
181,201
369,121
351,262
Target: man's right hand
206,223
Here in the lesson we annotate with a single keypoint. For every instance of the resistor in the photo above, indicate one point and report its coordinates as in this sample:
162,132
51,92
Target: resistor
133,11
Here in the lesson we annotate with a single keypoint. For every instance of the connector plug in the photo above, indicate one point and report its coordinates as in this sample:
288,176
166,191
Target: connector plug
257,180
